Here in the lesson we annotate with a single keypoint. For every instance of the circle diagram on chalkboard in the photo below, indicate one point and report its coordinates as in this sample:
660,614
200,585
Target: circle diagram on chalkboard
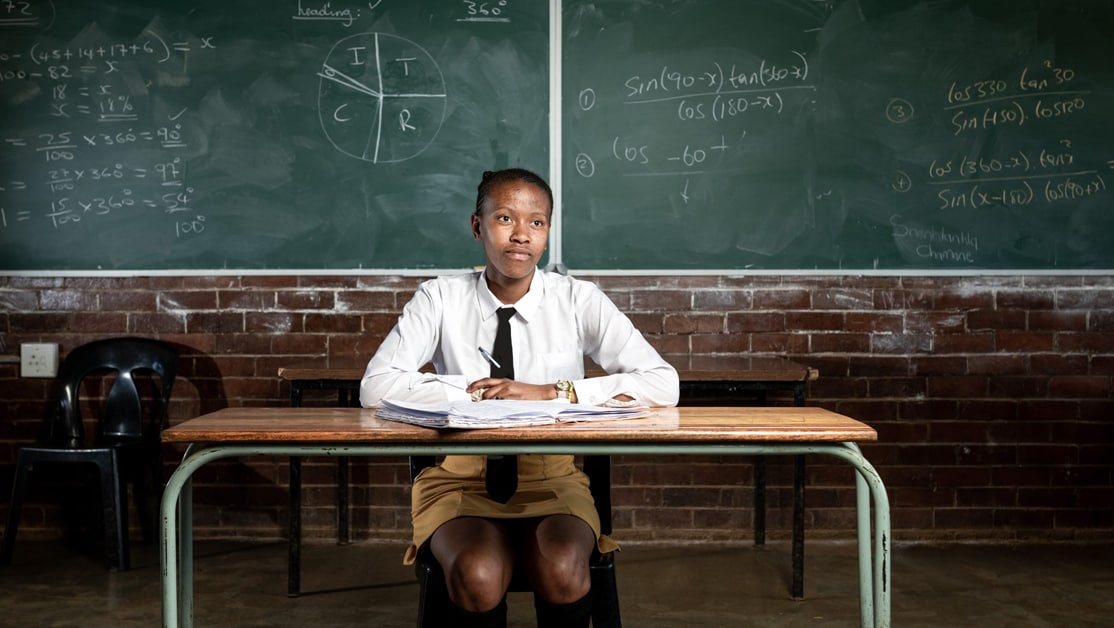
381,98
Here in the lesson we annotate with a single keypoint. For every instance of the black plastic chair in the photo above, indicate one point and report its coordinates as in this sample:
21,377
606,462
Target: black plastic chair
433,597
127,441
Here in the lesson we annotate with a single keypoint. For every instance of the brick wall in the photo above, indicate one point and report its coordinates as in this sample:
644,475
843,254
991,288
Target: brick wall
991,395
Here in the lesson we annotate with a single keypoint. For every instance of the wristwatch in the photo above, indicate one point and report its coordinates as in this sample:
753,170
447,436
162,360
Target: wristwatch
565,390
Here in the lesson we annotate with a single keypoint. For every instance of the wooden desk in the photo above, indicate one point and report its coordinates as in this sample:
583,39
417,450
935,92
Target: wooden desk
705,380
232,432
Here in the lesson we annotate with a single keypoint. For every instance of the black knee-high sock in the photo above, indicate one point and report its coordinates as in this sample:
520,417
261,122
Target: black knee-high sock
572,615
494,618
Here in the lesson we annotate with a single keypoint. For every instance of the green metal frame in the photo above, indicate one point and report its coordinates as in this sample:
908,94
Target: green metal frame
177,501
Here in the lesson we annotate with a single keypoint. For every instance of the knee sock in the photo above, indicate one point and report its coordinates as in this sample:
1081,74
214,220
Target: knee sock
494,618
572,615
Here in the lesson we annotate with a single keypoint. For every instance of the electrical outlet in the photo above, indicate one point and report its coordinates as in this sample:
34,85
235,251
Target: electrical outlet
38,359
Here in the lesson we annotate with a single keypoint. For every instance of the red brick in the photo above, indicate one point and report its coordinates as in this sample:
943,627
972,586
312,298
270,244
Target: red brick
1058,321
1025,342
272,323
972,386
987,410
755,322
1096,321
871,321
305,300
693,323
366,301
938,365
1047,410
145,324
839,343
949,299
719,343
127,301
842,299
328,281
814,321
300,344
1058,363
996,319
781,344
332,323
963,518
1088,299
215,322
1089,343
179,301
721,300
935,322
903,300
963,343
1026,299
1076,386
67,300
998,365
878,366
901,343
792,299
1047,454
661,300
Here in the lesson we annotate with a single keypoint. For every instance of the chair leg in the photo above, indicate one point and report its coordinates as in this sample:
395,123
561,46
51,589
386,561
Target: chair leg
605,596
433,595
19,488
115,512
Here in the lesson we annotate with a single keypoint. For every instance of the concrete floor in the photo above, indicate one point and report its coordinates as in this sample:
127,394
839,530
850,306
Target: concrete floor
243,584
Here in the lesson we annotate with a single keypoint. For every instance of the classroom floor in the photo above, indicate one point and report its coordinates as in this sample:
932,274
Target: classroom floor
244,584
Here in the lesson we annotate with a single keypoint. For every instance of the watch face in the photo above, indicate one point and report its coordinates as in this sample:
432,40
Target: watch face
562,385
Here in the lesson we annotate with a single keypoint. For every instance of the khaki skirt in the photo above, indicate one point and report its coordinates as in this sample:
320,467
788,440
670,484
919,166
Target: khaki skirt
547,485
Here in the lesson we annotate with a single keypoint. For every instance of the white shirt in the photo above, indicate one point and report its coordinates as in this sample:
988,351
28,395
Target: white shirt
558,322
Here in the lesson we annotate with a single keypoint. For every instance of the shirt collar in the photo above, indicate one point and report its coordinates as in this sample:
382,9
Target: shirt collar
526,306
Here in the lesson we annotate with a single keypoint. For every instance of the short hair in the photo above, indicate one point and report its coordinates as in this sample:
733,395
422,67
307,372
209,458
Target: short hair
492,178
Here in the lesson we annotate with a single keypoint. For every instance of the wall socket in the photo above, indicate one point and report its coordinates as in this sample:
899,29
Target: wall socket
38,359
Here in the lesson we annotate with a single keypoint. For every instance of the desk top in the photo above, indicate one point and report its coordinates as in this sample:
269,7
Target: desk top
690,368
672,425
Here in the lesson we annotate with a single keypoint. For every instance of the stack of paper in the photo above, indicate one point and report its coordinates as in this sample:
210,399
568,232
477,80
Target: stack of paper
499,413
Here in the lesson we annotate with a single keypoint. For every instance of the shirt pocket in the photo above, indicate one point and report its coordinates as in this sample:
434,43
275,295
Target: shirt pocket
564,365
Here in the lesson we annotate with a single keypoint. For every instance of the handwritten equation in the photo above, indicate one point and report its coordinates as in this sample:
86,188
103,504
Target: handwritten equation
692,103
1046,176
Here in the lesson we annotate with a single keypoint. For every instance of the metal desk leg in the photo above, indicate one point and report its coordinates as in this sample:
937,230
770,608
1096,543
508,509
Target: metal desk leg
797,588
294,547
797,585
759,500
294,535
342,500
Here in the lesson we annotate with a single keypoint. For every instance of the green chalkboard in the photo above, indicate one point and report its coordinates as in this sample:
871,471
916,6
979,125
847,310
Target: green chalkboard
302,134
954,135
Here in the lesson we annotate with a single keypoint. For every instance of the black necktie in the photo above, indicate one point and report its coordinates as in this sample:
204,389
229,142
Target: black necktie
502,471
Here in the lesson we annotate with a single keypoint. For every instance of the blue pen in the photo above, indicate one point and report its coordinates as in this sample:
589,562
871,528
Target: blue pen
487,356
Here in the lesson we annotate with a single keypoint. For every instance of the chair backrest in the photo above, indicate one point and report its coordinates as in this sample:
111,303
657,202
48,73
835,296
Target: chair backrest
121,418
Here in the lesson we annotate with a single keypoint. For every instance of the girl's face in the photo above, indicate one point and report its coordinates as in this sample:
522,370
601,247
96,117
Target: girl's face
514,229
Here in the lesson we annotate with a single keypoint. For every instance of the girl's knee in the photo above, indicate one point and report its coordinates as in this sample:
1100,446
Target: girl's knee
477,581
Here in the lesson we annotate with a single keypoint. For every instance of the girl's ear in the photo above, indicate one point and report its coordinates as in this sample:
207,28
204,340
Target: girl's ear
475,226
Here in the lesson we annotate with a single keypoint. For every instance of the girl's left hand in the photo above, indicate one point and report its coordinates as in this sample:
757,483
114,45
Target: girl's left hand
497,388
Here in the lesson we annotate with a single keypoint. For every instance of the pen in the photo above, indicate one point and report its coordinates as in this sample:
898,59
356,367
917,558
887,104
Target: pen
487,356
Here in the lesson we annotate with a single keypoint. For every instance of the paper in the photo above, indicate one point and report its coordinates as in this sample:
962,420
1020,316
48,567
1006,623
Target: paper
492,413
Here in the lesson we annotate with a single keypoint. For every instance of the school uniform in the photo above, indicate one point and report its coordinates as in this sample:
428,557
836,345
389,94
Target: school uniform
558,322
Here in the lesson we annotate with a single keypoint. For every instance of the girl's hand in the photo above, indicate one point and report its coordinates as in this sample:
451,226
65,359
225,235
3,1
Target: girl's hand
496,388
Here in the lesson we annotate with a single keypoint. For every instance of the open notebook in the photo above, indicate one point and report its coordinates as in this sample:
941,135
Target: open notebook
492,413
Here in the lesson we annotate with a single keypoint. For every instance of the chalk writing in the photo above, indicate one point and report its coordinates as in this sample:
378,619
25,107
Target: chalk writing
100,130
495,11
937,243
381,98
